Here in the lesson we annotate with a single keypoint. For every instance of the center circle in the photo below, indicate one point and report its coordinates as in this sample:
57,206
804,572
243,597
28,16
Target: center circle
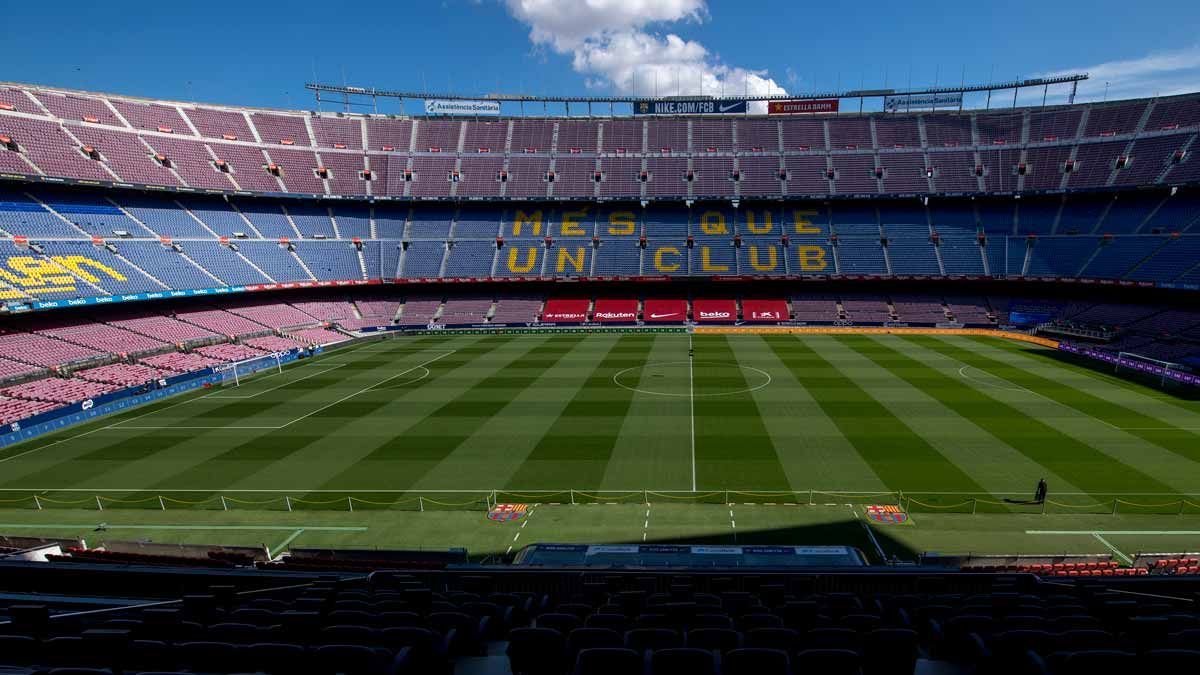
680,378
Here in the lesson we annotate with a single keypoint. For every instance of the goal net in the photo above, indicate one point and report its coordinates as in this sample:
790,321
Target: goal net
233,374
1153,368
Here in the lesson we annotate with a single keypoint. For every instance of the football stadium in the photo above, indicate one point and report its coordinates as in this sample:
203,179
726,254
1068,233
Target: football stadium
864,381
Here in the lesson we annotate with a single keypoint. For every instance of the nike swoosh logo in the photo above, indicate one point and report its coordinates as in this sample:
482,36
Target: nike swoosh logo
727,108
663,316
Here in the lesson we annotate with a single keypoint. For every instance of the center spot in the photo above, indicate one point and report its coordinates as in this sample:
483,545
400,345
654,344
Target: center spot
700,379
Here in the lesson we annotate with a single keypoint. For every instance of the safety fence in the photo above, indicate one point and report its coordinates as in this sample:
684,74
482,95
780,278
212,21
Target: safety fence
484,500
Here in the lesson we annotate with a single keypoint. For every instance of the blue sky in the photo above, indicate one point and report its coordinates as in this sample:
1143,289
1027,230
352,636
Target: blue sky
254,53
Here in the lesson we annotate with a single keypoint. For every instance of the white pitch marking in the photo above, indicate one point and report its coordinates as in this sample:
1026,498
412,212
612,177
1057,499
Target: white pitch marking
205,427
120,423
369,388
518,536
1017,387
649,392
104,428
1118,532
692,408
285,384
108,526
1112,548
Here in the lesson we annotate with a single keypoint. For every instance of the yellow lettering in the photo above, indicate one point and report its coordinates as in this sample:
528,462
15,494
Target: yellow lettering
571,226
532,219
622,222
772,260
78,265
564,255
713,222
30,272
803,224
754,227
531,254
663,266
706,262
812,258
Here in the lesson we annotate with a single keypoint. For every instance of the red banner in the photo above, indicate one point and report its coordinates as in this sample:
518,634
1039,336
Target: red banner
714,311
806,107
565,310
664,311
764,311
614,310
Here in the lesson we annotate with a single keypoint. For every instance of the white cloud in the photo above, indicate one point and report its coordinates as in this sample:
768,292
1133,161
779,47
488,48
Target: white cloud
610,44
1160,73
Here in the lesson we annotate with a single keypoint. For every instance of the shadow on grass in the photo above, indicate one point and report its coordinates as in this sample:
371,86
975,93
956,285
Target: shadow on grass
1125,375
848,532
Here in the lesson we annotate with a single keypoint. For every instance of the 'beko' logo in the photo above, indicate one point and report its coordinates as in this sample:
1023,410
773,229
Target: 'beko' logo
714,315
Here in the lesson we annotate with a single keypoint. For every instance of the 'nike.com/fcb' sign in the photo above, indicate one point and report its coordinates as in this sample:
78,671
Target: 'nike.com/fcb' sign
714,106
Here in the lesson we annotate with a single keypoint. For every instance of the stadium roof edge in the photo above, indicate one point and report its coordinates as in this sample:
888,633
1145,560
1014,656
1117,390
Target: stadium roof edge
856,93
367,92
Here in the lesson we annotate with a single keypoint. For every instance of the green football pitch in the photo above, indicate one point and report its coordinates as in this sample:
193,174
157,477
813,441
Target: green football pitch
608,438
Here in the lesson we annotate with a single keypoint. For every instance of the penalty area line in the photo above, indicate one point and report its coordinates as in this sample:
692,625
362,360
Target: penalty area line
285,384
369,388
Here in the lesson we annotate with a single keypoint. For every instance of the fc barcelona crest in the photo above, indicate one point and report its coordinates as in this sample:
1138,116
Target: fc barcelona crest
504,513
888,514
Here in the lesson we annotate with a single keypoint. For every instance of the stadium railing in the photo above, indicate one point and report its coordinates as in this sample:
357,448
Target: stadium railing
487,500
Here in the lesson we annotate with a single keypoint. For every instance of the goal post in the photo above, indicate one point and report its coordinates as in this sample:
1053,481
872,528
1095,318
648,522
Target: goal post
1148,366
232,374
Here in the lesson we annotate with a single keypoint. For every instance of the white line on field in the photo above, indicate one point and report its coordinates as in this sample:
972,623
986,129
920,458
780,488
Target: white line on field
1016,387
104,428
119,424
1113,533
109,526
420,366
1112,548
692,408
285,384
369,388
870,534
